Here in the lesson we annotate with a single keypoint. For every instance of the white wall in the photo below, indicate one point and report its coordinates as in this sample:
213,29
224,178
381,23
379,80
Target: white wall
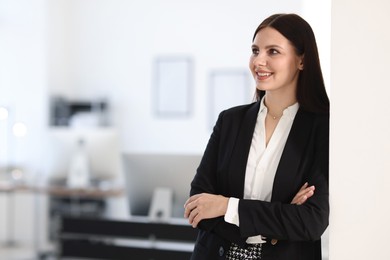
23,90
360,127
23,78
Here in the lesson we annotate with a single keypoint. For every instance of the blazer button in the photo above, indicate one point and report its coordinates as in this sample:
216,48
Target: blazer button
221,251
274,241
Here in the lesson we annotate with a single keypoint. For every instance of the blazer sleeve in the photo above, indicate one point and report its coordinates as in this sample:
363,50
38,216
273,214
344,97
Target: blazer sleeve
282,220
206,181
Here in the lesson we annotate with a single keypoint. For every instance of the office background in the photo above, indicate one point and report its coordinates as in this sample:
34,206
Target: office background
94,49
104,49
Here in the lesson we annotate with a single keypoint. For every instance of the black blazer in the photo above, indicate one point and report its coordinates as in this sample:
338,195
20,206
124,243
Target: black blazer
305,157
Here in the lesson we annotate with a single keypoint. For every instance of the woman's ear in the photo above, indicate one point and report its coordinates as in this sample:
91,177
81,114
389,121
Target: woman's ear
300,66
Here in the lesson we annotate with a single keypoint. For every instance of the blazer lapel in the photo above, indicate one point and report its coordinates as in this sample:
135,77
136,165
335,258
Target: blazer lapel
287,171
240,152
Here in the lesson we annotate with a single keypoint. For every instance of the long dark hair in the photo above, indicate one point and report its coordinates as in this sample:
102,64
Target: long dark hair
311,92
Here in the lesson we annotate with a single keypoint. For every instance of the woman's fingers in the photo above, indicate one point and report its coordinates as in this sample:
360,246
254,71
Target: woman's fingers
189,205
204,206
303,194
192,210
191,199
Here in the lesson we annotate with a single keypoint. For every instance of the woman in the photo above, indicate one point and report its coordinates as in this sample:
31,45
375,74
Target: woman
253,194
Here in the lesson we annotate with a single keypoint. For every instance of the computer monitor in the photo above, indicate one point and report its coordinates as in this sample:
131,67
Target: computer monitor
147,172
101,146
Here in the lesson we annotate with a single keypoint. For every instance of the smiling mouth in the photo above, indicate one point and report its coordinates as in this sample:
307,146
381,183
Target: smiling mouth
263,75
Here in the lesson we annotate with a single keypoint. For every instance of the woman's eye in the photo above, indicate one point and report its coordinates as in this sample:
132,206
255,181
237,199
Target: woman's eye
273,51
255,51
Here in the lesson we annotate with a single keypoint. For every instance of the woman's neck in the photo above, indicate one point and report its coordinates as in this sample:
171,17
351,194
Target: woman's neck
276,104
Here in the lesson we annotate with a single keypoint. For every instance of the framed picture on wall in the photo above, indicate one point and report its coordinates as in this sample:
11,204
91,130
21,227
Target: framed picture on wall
228,88
172,86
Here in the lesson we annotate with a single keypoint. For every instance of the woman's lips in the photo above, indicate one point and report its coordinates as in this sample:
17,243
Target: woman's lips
263,75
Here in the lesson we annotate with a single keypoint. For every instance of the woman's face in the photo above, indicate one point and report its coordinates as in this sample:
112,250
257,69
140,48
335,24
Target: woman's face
274,63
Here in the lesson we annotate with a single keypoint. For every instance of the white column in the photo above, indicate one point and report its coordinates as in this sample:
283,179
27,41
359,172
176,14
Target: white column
360,129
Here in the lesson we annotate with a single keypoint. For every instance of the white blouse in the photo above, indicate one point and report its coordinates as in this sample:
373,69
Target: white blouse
263,161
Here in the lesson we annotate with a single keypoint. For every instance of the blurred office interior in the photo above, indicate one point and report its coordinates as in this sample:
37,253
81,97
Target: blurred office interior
126,92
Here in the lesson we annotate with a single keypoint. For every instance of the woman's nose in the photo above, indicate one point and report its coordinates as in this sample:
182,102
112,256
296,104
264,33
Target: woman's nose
260,60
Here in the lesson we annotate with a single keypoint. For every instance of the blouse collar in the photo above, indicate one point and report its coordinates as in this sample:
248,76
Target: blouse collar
289,112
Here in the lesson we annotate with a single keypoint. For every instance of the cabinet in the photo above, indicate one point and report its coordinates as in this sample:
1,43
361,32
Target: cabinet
18,221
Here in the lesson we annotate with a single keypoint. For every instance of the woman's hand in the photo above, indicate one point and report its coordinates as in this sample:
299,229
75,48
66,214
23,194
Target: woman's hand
204,206
303,194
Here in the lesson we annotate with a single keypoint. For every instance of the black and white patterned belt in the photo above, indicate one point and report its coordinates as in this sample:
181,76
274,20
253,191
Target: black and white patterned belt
252,252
